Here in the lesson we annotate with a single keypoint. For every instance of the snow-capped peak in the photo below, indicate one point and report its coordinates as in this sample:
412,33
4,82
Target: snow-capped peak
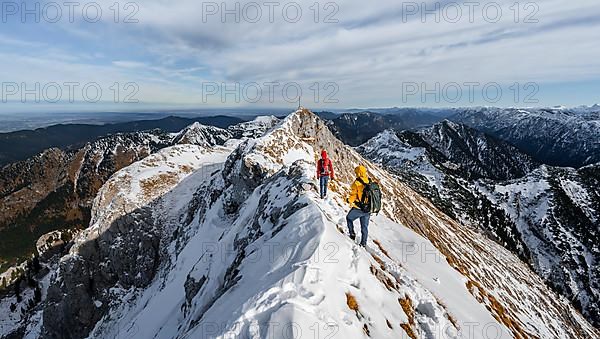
202,135
255,128
244,247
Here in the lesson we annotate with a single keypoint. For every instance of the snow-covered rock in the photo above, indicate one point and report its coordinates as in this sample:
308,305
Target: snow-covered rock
441,163
548,217
557,213
255,128
244,247
202,135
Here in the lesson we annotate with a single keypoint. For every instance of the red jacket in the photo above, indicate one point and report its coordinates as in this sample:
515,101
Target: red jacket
324,166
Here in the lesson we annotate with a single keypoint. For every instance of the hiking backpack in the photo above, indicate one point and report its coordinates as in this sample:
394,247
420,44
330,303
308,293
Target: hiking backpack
370,202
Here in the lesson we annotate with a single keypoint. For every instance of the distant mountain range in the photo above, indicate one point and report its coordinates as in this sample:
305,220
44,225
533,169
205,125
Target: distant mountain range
356,128
473,154
558,136
437,112
554,136
20,145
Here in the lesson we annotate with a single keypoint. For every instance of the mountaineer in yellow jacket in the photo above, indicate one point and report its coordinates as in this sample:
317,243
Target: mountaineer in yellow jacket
354,199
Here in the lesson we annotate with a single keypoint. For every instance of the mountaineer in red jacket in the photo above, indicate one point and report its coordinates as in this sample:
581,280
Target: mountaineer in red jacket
324,172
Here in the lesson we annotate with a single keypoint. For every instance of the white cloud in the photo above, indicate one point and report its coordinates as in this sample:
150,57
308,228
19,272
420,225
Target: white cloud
369,53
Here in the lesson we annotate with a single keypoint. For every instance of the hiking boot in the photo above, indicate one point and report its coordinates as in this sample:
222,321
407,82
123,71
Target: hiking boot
353,236
363,245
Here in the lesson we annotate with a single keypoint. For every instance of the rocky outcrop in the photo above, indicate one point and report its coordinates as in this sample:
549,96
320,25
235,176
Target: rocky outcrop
243,173
55,190
53,243
80,295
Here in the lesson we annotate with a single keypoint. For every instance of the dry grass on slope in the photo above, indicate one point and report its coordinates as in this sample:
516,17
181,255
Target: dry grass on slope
409,310
476,257
159,184
351,302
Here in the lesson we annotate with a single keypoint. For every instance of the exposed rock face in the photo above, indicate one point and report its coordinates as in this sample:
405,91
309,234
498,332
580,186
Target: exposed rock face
242,172
53,243
193,286
80,296
70,315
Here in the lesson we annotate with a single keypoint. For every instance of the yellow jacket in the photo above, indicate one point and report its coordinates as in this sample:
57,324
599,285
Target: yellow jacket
356,190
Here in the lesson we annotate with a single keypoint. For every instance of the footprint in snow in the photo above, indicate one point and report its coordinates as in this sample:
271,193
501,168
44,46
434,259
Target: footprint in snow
346,318
354,263
313,274
316,299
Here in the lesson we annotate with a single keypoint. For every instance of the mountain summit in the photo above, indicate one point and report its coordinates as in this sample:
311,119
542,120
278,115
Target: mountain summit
234,241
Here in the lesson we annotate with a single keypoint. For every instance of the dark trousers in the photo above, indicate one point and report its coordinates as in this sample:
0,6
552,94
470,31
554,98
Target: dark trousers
354,214
324,180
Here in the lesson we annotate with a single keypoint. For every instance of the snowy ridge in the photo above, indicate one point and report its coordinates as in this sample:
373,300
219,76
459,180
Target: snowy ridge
144,181
255,128
202,135
243,247
295,287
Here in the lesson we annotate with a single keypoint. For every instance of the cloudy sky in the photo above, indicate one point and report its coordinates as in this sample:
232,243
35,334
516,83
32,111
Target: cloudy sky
187,53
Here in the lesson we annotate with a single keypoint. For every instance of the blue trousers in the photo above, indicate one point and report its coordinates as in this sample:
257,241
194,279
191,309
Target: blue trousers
354,214
323,183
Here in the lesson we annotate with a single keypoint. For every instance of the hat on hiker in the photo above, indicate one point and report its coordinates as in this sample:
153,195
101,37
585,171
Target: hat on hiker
361,171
